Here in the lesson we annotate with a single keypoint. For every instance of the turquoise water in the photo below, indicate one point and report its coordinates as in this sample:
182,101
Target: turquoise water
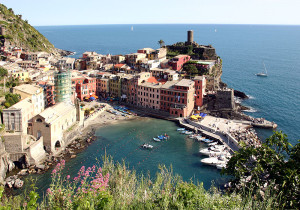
122,141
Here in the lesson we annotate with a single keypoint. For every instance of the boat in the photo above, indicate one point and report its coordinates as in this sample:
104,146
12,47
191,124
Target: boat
213,143
131,28
199,138
188,132
221,166
206,140
214,150
214,161
156,139
162,137
263,74
146,146
180,129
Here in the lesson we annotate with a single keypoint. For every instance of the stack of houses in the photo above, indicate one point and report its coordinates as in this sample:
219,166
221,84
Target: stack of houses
145,79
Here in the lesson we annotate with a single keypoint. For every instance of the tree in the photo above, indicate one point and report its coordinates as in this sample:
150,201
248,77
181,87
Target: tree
3,72
11,99
276,163
190,69
161,43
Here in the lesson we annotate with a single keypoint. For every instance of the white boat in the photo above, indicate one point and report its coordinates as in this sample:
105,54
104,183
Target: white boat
156,139
214,161
263,74
199,138
180,129
188,132
212,144
214,150
221,166
131,28
147,146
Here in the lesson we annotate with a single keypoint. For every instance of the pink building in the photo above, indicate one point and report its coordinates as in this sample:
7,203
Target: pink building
149,94
177,98
177,62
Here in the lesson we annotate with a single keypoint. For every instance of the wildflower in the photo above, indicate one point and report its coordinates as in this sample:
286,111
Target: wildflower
54,171
68,176
49,191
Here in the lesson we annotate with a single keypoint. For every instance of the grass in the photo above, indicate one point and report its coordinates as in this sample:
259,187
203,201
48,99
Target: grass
114,186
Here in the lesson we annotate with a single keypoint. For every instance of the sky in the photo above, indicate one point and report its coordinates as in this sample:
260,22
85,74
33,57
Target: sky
88,12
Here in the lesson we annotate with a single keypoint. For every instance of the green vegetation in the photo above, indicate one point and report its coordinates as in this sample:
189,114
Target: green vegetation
191,69
275,164
21,33
161,43
3,72
11,99
113,186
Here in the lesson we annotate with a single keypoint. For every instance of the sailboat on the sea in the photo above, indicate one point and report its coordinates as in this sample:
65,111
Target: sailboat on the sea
263,74
131,28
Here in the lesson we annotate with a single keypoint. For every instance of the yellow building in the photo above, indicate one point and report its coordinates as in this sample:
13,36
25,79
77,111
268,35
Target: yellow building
22,75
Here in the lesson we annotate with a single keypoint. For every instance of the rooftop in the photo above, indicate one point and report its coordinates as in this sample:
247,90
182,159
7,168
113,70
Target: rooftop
185,83
29,89
54,112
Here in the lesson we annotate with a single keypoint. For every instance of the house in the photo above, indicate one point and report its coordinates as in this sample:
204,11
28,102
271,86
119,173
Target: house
177,62
177,97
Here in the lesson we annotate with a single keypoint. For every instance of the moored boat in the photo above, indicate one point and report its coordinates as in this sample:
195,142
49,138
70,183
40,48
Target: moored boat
146,146
180,129
156,139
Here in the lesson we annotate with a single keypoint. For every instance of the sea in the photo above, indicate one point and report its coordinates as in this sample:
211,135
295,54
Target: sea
244,49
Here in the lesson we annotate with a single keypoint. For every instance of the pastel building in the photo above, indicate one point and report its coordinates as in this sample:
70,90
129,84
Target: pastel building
148,95
177,98
200,85
177,62
86,89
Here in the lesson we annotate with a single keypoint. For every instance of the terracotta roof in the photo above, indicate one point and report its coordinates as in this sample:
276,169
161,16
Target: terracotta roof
119,65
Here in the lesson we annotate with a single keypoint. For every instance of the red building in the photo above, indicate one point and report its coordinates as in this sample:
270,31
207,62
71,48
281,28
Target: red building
177,62
177,98
85,88
200,85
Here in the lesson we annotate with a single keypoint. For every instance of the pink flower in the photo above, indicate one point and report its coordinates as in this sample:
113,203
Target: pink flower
54,171
49,191
68,176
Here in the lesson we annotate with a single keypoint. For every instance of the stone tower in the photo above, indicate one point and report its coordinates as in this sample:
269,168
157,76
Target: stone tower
190,37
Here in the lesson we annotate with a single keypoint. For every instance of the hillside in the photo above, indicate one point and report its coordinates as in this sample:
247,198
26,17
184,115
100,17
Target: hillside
14,31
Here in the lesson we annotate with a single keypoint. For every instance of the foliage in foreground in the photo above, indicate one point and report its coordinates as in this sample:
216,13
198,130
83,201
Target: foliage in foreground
276,165
114,186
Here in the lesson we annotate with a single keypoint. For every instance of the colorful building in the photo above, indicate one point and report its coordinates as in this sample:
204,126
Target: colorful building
200,85
177,62
177,98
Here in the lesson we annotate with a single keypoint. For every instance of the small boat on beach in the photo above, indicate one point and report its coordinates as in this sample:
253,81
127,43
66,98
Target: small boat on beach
146,146
156,139
188,132
207,140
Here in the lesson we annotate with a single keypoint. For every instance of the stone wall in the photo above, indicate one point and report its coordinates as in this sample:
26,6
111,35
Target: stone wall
13,142
36,152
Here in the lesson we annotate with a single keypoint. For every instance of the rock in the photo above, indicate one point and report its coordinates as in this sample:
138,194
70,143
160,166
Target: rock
240,94
18,183
23,172
42,167
73,156
262,194
9,184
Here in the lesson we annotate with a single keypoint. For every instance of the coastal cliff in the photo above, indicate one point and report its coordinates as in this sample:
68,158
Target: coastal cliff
5,163
16,32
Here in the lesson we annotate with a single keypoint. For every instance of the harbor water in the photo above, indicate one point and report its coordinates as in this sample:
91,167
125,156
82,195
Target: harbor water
122,141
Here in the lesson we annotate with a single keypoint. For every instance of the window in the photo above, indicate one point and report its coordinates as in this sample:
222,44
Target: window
39,120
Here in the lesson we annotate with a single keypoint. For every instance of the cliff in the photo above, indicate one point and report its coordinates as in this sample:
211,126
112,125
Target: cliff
16,32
